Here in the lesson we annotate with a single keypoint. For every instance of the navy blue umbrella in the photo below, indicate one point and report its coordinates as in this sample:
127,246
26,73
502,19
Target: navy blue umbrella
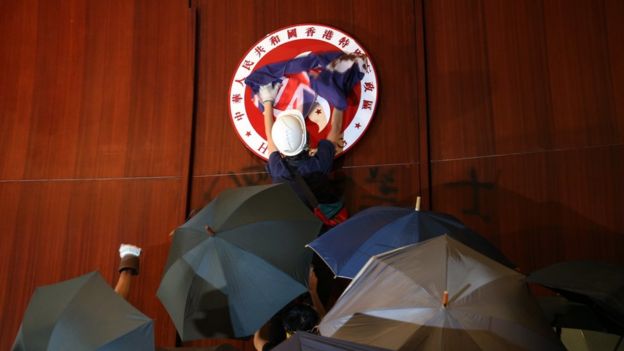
348,246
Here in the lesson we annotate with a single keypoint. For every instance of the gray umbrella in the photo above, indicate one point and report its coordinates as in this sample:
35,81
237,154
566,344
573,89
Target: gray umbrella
83,313
302,341
237,262
439,295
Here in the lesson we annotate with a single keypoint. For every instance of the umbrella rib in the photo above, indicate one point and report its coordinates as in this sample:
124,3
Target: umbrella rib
325,261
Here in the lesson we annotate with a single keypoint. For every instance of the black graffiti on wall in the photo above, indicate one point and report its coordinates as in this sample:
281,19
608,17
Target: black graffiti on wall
476,187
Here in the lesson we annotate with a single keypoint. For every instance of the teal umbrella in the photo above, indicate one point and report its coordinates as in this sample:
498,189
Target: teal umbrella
83,313
237,262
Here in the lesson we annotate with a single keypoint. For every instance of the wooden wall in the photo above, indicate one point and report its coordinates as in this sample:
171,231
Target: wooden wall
96,112
506,114
526,118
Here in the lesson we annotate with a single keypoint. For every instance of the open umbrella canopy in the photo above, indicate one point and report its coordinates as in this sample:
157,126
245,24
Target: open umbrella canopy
302,341
439,295
598,285
237,262
83,313
348,246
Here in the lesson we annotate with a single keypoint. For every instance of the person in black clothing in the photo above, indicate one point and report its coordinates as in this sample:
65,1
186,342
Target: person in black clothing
302,314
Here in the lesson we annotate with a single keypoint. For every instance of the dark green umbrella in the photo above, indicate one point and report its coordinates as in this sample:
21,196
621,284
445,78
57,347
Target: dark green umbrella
83,313
439,295
237,262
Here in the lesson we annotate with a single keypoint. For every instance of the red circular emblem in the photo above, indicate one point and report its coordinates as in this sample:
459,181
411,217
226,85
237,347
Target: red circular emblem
319,68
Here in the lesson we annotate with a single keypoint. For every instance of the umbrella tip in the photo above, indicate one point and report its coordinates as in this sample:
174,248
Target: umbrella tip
417,207
210,231
445,298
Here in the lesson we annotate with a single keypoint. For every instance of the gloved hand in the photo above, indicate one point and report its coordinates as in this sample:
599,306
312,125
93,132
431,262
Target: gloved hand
127,249
268,92
129,258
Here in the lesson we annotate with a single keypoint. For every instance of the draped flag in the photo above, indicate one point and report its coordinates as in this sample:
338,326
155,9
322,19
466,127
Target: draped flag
325,78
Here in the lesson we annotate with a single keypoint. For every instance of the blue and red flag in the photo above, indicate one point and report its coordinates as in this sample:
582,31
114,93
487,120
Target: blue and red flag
306,78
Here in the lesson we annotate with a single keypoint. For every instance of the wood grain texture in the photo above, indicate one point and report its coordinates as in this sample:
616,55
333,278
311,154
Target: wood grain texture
96,115
525,124
59,230
540,208
95,89
521,76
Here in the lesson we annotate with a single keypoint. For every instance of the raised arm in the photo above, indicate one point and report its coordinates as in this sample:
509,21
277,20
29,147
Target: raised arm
268,125
316,301
128,267
267,94
335,133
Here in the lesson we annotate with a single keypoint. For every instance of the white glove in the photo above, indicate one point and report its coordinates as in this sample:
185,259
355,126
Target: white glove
127,249
268,92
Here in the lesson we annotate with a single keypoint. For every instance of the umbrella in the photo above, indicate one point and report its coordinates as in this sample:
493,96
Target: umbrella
237,262
590,340
598,285
439,295
83,313
346,247
302,341
577,324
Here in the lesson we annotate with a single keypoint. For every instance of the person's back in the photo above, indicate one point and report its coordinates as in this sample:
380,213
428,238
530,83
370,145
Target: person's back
314,170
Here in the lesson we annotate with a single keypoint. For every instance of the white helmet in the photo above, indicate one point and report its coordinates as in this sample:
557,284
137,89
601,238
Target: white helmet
289,132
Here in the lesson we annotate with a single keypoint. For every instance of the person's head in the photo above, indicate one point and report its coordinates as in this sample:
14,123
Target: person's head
300,317
289,133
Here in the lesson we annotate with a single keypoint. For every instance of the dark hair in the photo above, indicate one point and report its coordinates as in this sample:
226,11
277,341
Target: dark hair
300,317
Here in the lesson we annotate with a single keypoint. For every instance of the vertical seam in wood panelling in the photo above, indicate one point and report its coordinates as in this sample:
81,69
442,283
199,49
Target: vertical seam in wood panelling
423,118
196,26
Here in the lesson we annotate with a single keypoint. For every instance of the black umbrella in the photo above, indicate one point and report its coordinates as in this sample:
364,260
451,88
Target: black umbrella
598,285
83,313
238,261
302,341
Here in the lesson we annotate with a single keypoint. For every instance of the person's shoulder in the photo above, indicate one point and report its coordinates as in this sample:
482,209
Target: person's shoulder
275,156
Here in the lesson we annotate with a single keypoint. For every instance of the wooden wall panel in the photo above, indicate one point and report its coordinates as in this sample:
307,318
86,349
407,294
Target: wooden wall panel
458,86
540,208
57,230
580,74
96,116
95,89
525,117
